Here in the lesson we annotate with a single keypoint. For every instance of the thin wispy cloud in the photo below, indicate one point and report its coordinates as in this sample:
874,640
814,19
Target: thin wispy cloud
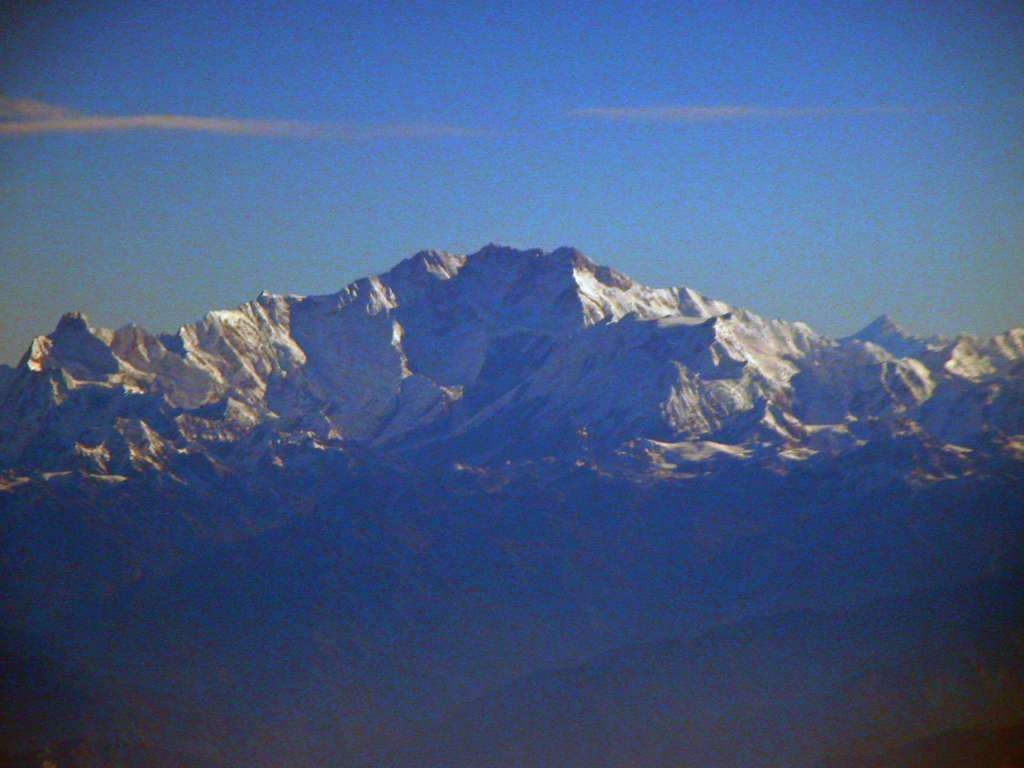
30,109
713,113
20,116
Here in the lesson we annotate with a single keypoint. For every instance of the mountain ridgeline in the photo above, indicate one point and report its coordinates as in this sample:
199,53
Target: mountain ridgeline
509,509
504,354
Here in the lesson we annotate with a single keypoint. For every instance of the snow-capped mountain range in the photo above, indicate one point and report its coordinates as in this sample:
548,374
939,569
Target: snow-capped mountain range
502,355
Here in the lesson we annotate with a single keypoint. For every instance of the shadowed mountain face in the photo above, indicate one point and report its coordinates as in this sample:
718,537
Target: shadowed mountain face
510,508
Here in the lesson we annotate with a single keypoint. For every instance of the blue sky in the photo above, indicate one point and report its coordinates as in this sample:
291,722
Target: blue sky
814,161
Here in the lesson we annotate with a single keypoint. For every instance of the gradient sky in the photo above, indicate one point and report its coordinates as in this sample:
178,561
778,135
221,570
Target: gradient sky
814,161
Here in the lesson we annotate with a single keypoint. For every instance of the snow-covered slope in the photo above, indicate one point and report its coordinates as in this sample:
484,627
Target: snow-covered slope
502,354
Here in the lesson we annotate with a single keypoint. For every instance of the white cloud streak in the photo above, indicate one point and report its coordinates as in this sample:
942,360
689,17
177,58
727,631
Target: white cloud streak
716,113
21,117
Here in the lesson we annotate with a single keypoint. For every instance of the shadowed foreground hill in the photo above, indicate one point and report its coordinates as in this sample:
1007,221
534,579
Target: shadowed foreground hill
785,690
974,748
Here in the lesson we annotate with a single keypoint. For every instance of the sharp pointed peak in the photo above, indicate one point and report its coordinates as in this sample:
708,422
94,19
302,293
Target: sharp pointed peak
885,332
72,322
886,322
883,327
429,255
429,262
